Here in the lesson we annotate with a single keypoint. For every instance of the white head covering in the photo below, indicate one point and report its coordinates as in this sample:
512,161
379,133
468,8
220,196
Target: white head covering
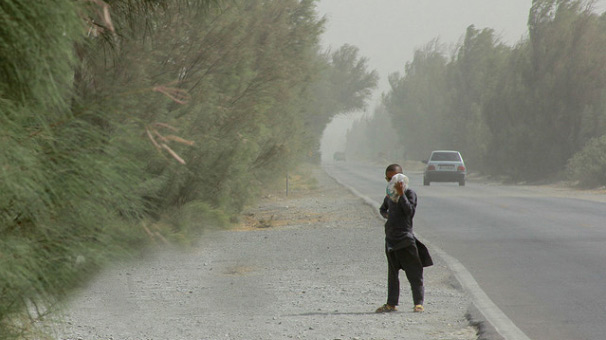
391,191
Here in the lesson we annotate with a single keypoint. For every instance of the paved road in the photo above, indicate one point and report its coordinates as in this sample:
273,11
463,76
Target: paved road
539,253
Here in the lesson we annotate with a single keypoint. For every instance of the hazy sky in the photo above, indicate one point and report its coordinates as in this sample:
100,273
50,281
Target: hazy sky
388,32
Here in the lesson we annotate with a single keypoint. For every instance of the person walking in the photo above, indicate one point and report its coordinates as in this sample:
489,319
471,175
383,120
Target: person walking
403,250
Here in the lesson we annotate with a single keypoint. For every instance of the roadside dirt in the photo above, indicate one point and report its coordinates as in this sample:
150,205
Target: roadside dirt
307,266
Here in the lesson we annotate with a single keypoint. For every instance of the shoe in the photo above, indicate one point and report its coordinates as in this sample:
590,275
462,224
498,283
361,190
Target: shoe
419,309
386,309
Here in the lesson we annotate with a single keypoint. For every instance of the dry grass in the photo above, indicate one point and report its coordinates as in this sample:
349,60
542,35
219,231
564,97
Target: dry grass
263,219
276,209
413,166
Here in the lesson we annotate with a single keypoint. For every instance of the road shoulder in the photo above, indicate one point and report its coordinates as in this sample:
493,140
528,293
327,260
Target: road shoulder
307,266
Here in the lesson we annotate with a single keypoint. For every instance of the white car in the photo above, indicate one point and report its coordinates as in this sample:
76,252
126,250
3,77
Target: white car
445,166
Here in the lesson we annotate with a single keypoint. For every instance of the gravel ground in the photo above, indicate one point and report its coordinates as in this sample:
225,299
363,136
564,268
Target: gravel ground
307,266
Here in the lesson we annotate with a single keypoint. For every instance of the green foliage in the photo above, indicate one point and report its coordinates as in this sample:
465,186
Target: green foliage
519,111
588,166
350,77
36,56
418,101
343,85
374,139
149,124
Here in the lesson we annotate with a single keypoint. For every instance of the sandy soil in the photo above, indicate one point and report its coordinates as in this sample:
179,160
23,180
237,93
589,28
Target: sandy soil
307,266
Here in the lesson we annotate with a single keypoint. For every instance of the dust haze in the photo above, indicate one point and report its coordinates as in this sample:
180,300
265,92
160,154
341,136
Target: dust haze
388,32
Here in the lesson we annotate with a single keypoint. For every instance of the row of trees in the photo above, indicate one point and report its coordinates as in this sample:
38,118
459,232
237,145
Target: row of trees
127,121
522,112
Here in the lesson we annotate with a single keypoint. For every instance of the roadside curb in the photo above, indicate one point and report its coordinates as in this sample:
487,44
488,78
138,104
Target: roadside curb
491,322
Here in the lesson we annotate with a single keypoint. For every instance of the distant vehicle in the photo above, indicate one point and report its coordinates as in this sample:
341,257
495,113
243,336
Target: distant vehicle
445,166
339,156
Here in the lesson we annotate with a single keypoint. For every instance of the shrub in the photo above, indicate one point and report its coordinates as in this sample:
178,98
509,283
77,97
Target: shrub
588,166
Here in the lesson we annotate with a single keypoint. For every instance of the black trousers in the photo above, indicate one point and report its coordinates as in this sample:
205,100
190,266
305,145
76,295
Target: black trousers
408,260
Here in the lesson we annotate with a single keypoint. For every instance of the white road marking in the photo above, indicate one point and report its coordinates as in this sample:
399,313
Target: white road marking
491,312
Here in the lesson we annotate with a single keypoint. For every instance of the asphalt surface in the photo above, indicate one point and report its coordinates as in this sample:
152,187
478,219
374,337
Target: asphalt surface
539,253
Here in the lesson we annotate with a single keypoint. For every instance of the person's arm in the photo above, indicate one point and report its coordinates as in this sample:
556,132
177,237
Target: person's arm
384,207
408,202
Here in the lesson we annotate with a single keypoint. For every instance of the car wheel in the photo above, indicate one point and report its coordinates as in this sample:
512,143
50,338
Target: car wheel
462,183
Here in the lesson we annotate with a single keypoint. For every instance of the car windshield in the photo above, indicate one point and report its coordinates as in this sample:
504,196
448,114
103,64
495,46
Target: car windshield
445,156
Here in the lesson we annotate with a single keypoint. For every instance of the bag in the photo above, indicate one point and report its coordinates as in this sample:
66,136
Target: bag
424,255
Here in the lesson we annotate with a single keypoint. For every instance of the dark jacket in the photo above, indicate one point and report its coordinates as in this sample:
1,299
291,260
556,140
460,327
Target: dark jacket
398,227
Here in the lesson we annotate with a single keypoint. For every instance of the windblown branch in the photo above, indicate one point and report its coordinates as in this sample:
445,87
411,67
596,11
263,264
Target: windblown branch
104,16
154,134
177,95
